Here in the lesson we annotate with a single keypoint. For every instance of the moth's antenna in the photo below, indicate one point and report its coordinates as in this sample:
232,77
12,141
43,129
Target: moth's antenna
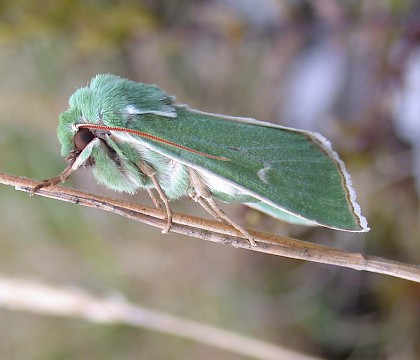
151,137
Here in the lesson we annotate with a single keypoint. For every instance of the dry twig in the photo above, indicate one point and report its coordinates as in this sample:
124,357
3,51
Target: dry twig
36,297
221,233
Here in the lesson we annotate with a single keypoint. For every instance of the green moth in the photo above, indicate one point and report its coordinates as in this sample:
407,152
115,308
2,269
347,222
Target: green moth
134,136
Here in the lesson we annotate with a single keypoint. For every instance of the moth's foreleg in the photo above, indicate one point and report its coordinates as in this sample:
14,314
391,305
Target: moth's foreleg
63,176
208,203
151,173
76,158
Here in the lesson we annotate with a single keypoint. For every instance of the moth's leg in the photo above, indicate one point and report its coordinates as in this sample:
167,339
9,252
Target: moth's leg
155,200
203,192
198,199
227,219
63,176
151,173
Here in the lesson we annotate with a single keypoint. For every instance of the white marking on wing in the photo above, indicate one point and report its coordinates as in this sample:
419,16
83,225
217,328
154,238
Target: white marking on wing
132,110
216,183
262,174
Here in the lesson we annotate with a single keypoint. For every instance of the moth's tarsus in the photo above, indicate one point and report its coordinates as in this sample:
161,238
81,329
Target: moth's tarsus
46,183
63,176
37,187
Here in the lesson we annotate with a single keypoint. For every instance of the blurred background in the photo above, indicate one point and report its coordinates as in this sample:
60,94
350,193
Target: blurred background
347,69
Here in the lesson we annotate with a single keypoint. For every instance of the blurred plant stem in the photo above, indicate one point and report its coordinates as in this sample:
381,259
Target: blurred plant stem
36,297
221,233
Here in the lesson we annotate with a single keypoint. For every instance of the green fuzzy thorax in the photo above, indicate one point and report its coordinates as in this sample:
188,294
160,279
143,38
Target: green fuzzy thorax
106,101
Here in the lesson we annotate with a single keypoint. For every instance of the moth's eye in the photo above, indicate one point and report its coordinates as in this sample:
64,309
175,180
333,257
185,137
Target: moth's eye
82,138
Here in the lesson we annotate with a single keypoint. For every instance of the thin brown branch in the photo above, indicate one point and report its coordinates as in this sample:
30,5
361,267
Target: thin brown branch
221,233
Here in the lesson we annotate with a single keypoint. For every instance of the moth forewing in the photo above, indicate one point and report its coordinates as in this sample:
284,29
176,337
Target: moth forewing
285,214
279,214
342,185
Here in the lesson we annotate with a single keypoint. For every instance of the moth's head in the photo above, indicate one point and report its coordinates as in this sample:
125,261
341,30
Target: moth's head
72,139
95,148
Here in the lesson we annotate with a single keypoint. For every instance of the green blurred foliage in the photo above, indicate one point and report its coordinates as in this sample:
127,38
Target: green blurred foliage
89,23
220,56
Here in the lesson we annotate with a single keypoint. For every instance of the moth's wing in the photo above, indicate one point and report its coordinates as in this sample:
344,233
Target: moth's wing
278,214
294,171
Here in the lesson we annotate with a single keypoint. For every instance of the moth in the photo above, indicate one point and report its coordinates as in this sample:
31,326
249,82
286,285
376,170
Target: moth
135,136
